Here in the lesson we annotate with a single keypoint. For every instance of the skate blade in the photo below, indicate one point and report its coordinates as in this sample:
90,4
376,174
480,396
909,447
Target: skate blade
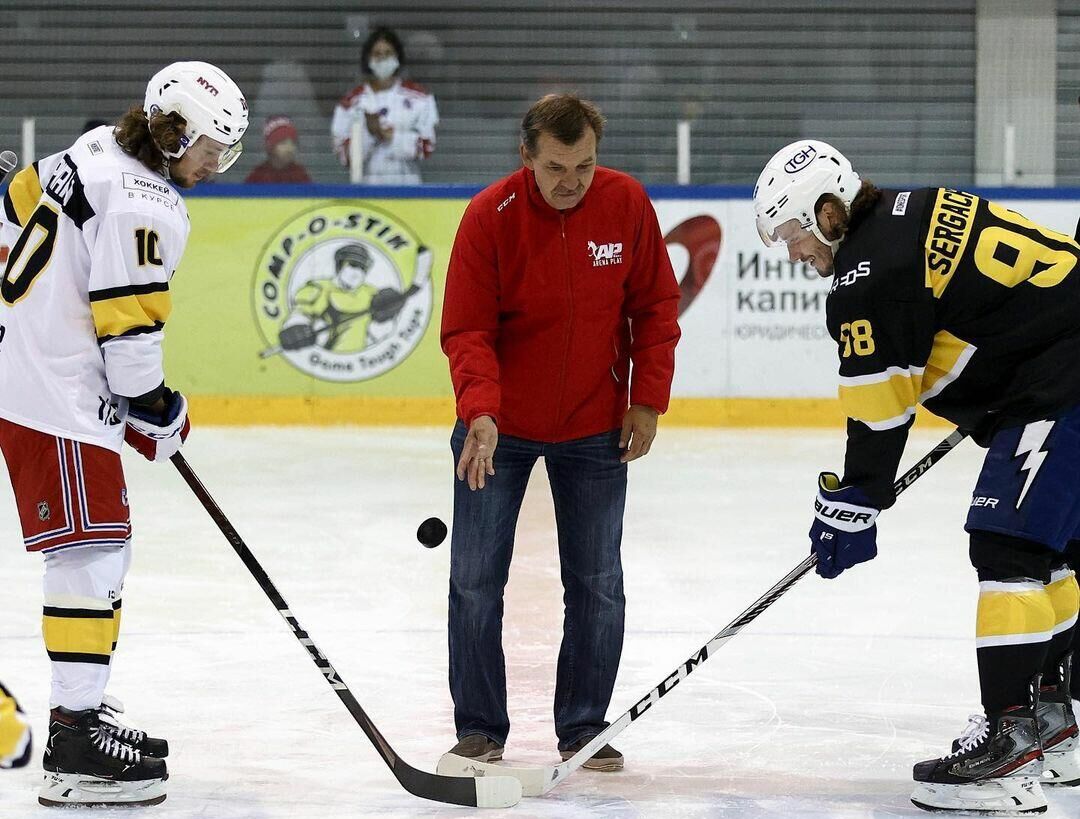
1010,796
65,790
1062,769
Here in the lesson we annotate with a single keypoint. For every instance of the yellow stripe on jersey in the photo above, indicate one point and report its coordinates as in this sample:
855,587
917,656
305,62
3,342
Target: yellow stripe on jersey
125,310
24,193
882,400
1013,614
1065,598
887,399
78,635
947,236
948,357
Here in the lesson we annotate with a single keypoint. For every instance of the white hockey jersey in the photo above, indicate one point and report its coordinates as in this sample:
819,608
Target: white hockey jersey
407,108
85,293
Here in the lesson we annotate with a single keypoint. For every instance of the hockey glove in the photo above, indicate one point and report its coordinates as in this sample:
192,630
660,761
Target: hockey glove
158,437
844,531
386,304
15,741
297,336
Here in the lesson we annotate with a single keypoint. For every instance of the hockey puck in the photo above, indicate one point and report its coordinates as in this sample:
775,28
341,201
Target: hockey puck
431,533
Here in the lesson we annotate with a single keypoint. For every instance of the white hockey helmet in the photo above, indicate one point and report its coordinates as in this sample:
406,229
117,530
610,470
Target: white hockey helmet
794,179
211,103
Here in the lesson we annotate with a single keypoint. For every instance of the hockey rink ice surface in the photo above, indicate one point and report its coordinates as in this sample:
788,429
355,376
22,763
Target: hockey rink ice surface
817,709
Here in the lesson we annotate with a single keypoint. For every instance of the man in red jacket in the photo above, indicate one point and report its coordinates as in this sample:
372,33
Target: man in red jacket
558,280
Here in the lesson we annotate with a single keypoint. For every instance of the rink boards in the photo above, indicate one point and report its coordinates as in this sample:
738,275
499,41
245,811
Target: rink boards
754,351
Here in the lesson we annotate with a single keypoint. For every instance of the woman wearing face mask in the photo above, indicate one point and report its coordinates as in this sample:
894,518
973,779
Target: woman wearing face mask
398,116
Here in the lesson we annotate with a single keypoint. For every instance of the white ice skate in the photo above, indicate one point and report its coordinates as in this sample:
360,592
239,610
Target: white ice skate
64,789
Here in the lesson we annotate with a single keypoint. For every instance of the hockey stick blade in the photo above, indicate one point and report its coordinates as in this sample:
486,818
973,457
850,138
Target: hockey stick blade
538,781
496,791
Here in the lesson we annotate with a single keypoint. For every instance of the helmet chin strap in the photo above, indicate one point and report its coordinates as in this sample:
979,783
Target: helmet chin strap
816,230
167,158
821,236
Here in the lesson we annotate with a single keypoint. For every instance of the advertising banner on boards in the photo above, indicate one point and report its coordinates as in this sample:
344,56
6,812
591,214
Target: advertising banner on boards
323,298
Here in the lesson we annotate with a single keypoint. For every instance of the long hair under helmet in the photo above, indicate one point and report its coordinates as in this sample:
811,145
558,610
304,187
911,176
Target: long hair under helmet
793,181
207,99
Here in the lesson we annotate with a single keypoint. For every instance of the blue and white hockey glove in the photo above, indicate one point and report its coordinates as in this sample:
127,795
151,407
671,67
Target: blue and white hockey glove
158,436
844,531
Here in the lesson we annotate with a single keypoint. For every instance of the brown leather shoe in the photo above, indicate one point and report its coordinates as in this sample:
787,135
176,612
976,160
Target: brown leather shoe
478,747
606,759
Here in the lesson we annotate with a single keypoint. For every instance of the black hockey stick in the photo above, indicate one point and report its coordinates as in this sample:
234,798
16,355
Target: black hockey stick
538,781
491,792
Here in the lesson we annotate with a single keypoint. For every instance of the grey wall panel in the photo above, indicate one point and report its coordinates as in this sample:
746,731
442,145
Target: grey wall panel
1068,87
891,83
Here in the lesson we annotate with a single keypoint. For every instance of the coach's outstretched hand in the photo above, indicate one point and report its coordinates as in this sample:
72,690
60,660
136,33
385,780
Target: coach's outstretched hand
477,462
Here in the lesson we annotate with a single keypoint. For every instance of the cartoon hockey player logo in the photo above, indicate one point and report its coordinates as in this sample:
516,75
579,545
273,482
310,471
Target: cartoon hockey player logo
343,293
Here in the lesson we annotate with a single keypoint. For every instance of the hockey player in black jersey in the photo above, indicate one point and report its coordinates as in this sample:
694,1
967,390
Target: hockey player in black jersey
945,299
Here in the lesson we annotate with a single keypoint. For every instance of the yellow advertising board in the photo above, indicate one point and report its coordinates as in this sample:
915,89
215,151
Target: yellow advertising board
313,311
326,311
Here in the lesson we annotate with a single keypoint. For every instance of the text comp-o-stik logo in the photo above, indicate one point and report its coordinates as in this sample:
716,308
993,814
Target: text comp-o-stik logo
343,292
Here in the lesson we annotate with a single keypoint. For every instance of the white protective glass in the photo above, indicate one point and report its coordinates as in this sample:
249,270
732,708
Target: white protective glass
229,156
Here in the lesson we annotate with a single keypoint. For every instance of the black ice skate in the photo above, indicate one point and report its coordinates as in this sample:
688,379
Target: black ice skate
85,765
109,714
1057,727
994,769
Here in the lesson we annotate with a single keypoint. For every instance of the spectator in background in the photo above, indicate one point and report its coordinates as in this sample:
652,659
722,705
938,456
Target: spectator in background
282,142
398,117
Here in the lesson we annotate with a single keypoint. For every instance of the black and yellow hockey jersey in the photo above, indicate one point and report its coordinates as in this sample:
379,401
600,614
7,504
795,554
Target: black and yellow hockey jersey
948,300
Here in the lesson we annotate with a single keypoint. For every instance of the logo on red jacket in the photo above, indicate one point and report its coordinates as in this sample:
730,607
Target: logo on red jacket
605,254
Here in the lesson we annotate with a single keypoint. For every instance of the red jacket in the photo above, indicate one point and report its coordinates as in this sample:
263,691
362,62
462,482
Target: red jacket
544,309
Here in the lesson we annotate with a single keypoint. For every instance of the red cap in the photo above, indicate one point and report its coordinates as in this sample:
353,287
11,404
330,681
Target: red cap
278,129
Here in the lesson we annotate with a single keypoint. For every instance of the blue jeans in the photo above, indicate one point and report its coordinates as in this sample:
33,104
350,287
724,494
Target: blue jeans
588,484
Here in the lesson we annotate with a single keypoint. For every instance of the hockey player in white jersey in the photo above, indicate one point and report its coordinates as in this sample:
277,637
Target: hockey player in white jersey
84,300
397,117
